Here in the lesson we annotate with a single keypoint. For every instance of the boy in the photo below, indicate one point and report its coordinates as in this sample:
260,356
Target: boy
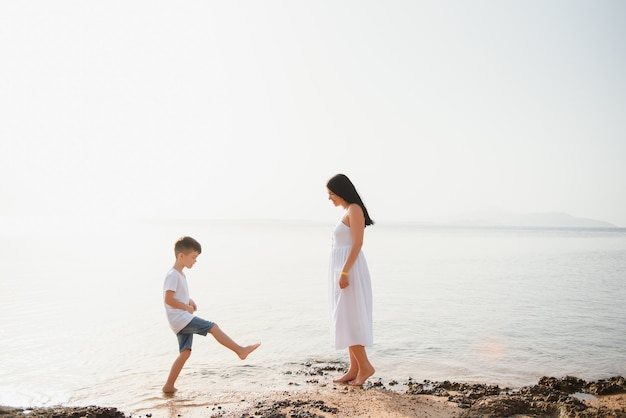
180,308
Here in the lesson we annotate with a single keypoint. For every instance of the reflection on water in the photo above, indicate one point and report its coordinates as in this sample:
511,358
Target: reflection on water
497,306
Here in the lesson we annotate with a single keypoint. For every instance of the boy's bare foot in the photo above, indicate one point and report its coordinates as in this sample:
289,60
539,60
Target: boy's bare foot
169,389
247,350
362,377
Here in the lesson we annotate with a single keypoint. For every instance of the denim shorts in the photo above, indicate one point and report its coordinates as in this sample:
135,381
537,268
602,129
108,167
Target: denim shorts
196,326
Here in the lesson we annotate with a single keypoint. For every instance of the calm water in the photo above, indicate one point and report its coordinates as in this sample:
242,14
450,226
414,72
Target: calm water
84,321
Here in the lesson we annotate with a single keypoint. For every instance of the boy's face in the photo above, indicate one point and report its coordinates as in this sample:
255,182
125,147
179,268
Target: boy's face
189,259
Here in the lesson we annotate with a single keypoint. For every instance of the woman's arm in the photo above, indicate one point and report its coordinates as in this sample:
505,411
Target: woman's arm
356,222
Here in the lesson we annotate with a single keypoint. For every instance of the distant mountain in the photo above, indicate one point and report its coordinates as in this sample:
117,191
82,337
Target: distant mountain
550,219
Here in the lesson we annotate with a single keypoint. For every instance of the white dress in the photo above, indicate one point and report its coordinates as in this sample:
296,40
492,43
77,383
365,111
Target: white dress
351,308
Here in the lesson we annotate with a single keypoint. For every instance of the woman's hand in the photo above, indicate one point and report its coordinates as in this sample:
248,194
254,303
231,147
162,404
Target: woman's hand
343,281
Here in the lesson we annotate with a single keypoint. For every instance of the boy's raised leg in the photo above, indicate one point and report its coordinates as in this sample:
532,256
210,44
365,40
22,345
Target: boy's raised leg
175,371
221,337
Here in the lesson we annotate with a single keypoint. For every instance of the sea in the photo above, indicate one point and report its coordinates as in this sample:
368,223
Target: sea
83,321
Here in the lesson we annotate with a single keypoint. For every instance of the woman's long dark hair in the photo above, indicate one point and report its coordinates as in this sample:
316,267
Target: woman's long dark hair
343,187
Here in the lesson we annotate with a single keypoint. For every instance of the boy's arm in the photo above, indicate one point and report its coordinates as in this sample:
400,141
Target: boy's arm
170,300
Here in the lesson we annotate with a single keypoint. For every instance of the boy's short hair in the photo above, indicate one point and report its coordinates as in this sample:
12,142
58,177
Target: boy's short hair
185,245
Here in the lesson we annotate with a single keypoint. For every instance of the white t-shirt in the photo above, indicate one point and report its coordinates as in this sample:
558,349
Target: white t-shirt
178,318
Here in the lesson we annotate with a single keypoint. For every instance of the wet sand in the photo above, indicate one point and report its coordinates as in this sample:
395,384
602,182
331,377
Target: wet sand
550,397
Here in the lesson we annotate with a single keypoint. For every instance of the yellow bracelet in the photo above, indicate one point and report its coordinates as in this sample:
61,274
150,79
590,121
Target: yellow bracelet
344,273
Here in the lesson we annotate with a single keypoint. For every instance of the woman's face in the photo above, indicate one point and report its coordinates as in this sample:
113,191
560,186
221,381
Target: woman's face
337,201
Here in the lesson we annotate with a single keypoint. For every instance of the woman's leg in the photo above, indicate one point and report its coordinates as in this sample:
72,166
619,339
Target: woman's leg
365,368
352,371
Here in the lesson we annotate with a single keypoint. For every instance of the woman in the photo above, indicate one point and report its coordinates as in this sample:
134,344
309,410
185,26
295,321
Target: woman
350,285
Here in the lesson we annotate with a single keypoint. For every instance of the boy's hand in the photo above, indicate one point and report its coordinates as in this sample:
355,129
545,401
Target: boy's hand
193,305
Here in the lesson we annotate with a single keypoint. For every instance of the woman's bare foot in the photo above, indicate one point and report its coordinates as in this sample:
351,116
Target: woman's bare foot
346,378
169,389
245,351
362,377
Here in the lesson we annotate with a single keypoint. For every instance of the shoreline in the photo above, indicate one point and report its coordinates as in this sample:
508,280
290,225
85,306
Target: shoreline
551,397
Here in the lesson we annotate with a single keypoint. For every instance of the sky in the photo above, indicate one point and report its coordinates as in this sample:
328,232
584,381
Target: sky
244,109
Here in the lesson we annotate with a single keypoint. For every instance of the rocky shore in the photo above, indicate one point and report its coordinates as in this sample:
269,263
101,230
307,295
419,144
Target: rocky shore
62,412
550,397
